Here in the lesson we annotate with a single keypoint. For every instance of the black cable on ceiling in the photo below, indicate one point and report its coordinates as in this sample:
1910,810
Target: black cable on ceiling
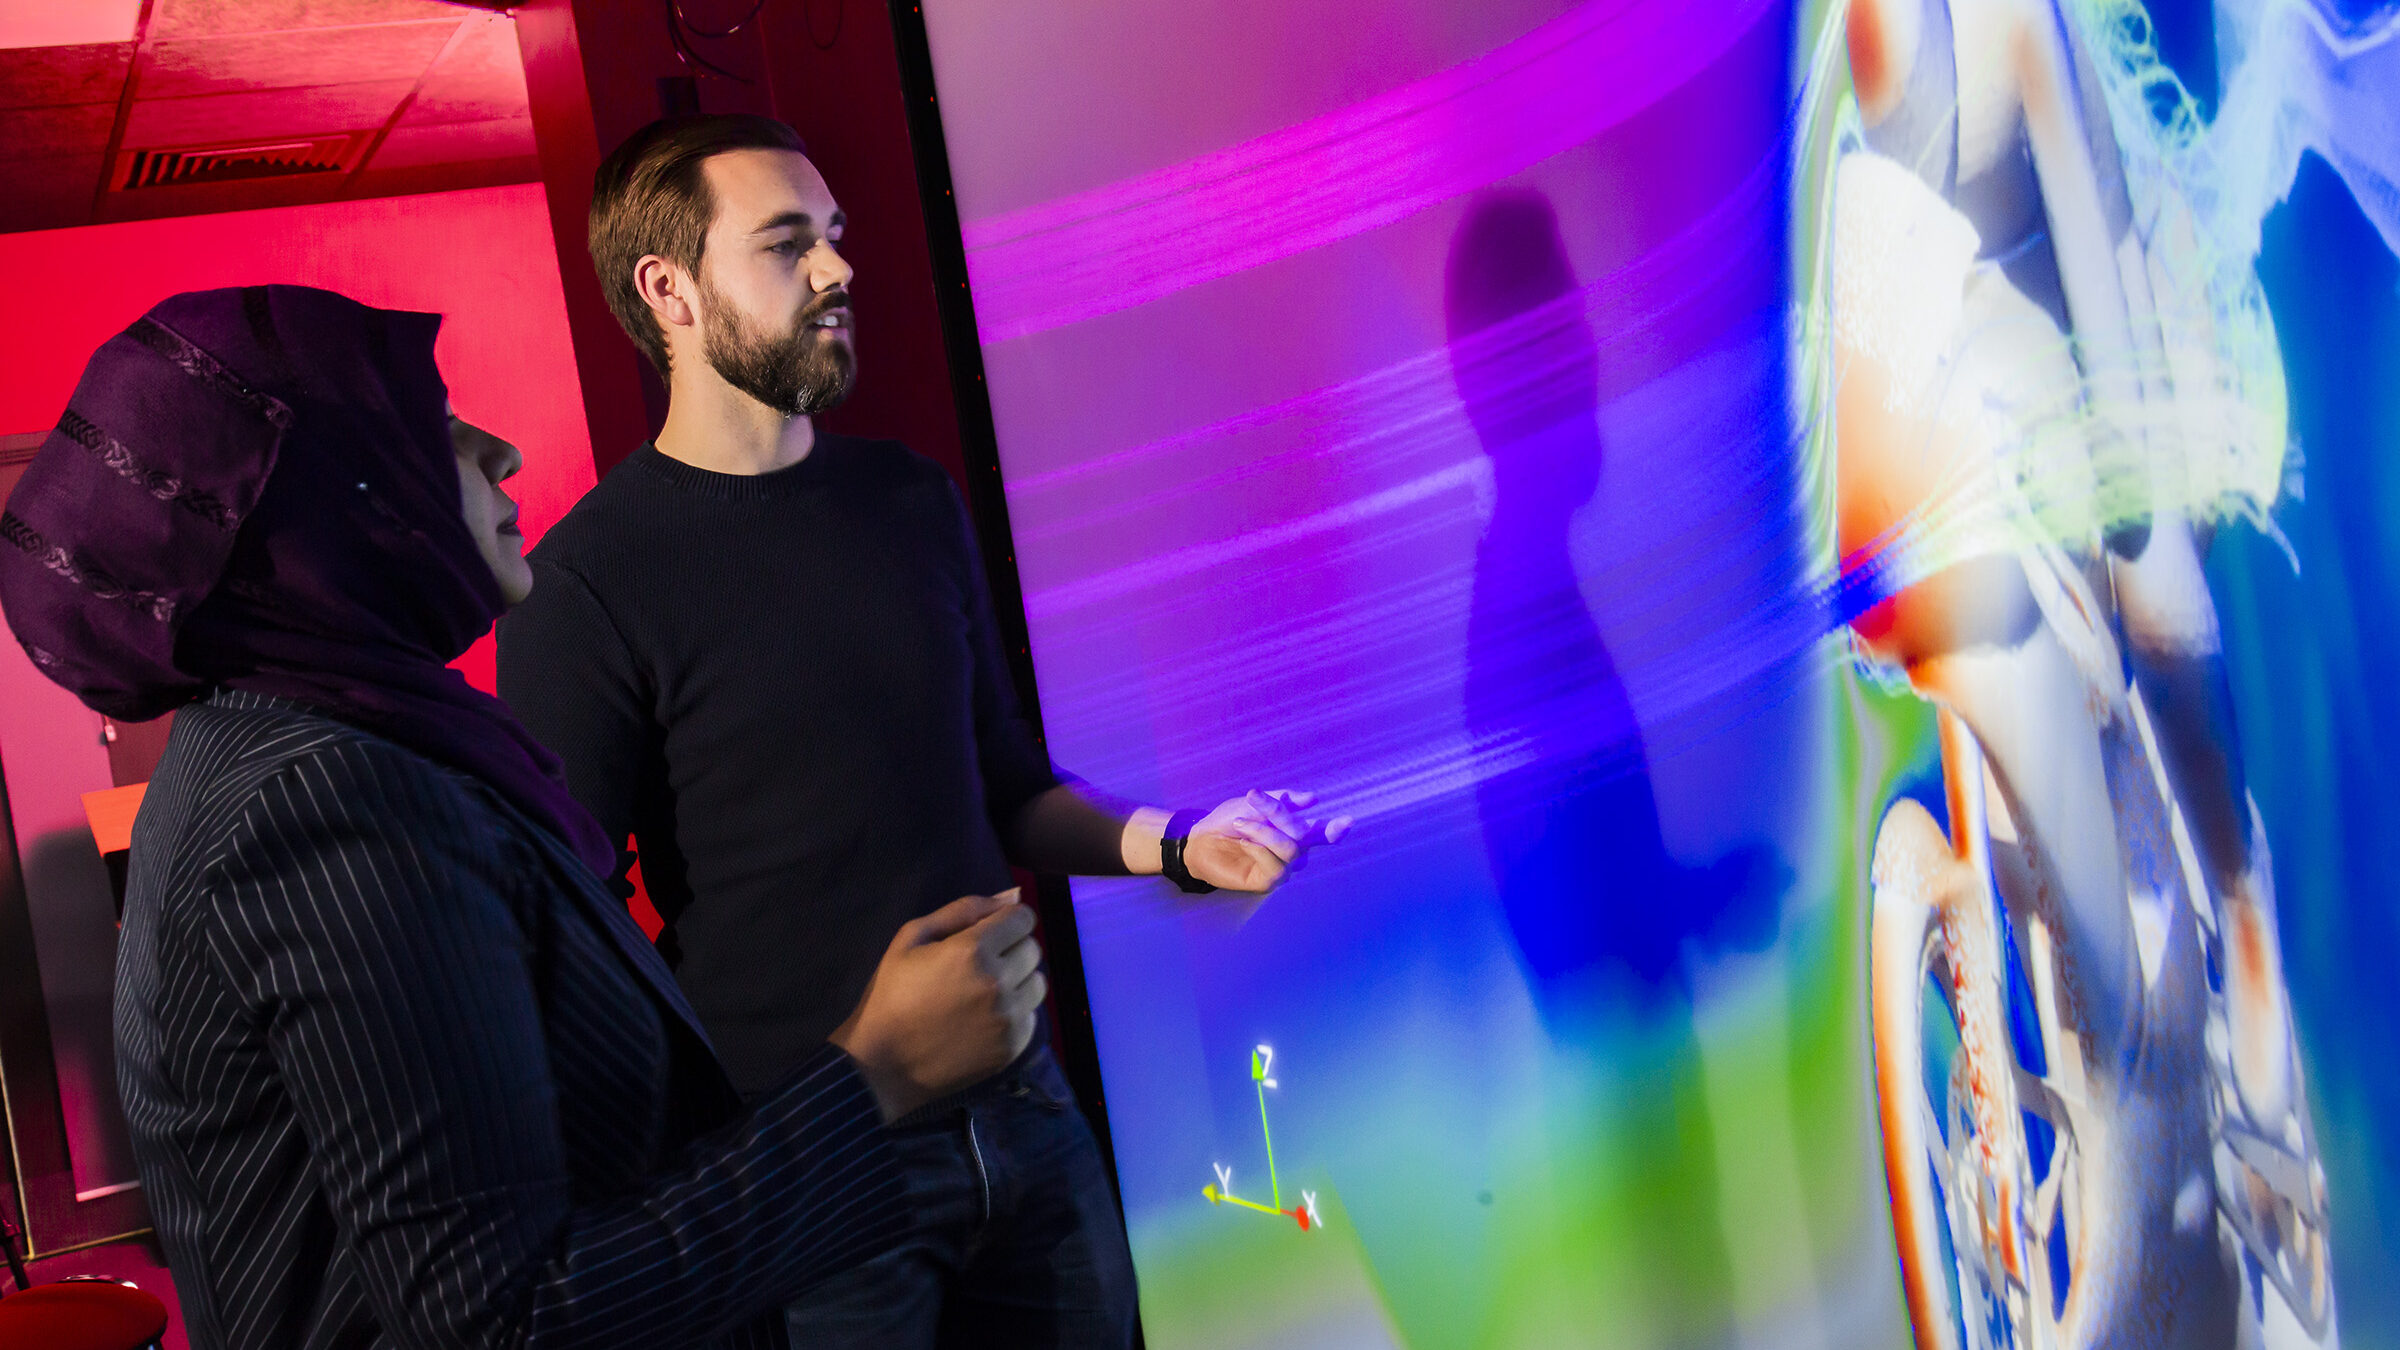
808,16
680,31
738,24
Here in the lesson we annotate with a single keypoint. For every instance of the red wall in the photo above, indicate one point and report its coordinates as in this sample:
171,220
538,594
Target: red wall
482,258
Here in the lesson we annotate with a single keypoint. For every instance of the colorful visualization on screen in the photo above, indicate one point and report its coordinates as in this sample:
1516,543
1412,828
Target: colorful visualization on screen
1845,557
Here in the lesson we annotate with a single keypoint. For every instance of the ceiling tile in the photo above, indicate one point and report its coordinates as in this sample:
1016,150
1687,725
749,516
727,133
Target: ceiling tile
481,100
488,45
480,79
68,23
450,142
48,192
34,77
243,61
216,118
82,129
189,18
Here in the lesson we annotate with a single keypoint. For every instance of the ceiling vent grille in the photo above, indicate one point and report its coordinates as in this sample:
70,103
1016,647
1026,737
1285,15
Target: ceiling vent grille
232,163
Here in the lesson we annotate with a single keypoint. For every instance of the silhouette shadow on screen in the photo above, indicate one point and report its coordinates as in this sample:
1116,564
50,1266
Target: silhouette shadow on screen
1601,911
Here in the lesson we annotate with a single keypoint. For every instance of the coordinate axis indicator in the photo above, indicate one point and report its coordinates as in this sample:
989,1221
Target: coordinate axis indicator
1220,1191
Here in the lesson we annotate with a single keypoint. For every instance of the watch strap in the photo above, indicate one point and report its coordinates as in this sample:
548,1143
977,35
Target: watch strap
1170,852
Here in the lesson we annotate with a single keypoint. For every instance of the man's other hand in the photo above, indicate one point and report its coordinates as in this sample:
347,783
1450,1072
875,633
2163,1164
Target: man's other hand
951,1004
1250,843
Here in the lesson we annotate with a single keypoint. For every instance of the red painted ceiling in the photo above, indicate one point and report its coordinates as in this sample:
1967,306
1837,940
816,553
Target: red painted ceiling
397,96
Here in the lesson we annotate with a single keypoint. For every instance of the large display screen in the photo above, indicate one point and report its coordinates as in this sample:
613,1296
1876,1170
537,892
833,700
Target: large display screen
1845,556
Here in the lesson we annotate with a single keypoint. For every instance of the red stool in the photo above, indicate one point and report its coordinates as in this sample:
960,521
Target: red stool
87,1313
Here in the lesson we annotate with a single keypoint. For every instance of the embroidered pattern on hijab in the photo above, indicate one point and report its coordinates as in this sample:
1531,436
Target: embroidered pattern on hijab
255,489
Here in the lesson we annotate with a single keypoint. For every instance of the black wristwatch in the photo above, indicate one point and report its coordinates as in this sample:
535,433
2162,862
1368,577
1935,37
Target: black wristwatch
1170,852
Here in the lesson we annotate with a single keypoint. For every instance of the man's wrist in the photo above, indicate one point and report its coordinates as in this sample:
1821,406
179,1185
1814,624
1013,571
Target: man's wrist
1138,845
1171,852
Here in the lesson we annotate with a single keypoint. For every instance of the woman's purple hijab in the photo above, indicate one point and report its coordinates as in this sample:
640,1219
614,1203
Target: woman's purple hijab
255,489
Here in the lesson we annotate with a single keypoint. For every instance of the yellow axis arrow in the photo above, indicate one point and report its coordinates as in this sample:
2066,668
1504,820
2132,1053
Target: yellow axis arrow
1217,1197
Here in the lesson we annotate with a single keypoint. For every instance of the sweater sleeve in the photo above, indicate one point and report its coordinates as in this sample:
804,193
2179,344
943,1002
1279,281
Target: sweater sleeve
1015,768
568,674
362,911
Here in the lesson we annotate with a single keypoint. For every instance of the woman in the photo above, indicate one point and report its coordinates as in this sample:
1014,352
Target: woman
397,1067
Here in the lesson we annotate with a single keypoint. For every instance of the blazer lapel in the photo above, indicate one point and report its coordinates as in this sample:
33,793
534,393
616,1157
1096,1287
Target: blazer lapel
603,909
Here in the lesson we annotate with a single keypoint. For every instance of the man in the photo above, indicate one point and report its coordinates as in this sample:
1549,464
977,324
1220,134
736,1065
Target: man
768,654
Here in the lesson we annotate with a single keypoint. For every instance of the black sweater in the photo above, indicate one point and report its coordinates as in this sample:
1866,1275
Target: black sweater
788,689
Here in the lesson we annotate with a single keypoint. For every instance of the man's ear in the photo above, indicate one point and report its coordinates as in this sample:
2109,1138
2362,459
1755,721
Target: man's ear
666,289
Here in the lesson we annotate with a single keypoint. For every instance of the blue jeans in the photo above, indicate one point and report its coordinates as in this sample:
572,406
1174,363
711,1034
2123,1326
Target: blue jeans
1018,1241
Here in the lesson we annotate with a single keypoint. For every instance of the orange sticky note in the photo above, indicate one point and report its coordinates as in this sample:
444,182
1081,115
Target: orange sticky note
111,812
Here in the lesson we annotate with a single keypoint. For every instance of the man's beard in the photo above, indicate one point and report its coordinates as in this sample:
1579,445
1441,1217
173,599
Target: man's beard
798,372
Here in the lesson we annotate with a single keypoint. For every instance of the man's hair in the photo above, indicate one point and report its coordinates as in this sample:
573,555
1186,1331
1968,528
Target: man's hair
650,196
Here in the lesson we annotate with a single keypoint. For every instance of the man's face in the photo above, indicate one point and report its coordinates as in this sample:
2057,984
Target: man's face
774,300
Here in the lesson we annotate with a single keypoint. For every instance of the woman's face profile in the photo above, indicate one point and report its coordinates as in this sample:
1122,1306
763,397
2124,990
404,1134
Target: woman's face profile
484,462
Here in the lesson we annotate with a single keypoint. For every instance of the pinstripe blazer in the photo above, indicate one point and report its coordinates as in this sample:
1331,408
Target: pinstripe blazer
401,1073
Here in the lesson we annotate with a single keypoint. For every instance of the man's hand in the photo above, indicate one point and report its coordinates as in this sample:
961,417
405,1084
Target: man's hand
1250,843
951,1004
